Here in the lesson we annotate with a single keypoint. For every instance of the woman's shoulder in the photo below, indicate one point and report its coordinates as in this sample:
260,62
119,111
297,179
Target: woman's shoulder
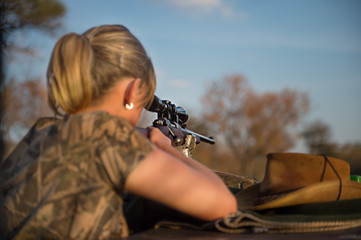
72,129
95,118
95,124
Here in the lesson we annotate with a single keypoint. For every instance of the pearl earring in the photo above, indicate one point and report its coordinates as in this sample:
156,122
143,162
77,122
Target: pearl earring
129,106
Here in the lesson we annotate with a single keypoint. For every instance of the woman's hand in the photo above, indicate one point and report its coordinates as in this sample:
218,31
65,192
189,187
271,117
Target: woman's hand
158,137
154,138
143,131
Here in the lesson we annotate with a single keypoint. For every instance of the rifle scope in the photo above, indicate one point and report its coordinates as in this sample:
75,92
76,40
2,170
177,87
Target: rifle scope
167,110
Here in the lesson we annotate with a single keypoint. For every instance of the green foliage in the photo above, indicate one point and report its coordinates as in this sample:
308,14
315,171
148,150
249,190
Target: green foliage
317,137
19,15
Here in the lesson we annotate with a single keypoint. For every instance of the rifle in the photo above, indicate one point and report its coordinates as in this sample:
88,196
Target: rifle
174,118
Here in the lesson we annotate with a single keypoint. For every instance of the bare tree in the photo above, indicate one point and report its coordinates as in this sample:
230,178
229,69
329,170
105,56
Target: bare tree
249,124
23,103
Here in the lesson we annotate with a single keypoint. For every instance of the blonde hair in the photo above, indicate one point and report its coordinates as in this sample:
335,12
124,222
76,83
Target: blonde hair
84,67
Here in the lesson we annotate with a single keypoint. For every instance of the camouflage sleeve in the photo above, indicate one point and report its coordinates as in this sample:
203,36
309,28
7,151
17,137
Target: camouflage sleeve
119,151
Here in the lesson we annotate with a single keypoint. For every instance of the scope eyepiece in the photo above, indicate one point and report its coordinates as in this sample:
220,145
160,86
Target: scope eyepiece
166,109
157,105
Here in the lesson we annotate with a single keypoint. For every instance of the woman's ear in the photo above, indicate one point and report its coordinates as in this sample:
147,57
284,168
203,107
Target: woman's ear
131,91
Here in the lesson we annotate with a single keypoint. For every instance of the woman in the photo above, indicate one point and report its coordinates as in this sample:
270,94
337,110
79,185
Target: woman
67,177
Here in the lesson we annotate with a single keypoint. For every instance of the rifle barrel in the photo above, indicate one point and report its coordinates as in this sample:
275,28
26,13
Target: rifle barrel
209,140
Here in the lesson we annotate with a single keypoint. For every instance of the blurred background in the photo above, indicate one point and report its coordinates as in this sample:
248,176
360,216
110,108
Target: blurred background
259,76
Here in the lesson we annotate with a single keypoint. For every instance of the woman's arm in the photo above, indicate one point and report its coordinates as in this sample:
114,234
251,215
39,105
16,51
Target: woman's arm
180,183
157,137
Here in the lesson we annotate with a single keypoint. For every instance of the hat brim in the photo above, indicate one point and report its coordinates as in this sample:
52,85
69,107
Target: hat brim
320,192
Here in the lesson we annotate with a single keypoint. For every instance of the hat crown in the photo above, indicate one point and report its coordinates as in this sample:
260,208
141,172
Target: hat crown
290,171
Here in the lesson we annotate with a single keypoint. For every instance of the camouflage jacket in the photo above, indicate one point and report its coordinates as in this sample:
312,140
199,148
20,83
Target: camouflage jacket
66,178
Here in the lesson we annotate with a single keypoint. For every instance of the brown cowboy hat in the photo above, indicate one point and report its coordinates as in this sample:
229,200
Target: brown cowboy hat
295,178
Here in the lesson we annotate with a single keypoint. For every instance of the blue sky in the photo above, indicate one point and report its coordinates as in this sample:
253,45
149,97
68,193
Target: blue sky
310,45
